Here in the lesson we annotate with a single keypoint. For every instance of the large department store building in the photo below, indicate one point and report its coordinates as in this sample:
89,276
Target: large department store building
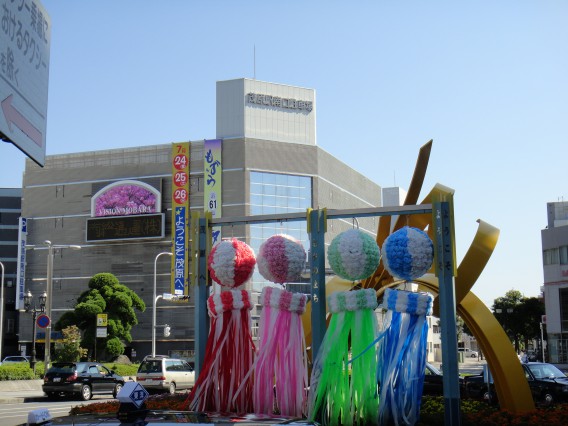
271,164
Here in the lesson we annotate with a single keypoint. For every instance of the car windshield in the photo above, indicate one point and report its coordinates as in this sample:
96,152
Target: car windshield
548,371
150,367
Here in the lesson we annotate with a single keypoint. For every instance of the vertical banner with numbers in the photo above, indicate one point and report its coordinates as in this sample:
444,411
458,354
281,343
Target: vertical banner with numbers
180,215
213,179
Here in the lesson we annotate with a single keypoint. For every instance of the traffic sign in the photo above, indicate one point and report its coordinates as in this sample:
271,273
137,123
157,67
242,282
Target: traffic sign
133,392
43,321
102,320
25,38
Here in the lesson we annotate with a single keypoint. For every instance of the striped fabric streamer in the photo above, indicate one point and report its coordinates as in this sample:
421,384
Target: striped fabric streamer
224,384
281,371
344,392
402,355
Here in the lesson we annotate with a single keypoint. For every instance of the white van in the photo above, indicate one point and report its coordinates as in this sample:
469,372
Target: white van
164,374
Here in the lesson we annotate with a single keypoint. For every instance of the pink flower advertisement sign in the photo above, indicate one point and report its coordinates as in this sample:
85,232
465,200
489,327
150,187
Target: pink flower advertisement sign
127,197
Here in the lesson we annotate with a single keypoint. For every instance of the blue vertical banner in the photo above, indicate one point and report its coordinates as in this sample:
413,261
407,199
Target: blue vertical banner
213,174
180,212
21,272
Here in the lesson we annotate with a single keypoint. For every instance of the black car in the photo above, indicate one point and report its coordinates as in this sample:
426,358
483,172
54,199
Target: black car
82,379
547,383
434,381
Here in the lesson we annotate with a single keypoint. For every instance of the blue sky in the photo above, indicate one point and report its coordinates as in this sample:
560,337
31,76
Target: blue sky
486,80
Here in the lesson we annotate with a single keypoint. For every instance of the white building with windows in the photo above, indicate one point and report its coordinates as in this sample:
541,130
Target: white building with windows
555,268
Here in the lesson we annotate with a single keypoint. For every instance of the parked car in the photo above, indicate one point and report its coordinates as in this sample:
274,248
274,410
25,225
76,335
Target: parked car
468,352
433,381
83,379
547,383
15,359
163,374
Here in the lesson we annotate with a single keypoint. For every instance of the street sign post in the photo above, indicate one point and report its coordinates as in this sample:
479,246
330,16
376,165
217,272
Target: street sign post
25,37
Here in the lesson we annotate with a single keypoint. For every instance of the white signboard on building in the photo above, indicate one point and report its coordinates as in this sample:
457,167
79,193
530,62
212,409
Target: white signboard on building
25,35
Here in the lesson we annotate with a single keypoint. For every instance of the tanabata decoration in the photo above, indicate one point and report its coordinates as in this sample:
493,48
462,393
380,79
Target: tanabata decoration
231,263
408,254
281,259
280,370
402,354
344,392
224,384
353,255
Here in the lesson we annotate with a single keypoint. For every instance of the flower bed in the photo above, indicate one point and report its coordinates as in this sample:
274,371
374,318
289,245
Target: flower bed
474,413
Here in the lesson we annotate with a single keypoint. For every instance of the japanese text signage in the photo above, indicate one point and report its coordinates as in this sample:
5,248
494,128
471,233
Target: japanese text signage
180,214
21,272
25,37
126,227
213,178
278,102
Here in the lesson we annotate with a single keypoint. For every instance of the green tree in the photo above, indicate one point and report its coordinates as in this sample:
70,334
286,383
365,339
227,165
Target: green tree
70,350
519,316
105,295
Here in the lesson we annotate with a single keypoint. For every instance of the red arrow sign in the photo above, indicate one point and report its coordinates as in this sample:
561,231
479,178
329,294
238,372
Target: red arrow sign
14,116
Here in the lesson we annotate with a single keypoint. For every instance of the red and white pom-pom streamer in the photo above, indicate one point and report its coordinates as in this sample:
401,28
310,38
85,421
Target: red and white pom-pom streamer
231,263
282,358
223,384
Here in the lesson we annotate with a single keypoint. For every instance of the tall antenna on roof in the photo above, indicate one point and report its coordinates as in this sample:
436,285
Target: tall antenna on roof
254,61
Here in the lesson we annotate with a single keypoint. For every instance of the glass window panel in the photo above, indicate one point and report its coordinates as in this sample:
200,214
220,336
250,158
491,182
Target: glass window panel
564,255
269,178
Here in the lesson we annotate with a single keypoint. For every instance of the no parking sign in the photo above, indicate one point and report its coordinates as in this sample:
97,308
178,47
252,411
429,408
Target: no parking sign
43,321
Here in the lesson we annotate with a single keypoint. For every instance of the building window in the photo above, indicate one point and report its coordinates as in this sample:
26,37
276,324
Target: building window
563,296
563,255
10,326
272,193
550,256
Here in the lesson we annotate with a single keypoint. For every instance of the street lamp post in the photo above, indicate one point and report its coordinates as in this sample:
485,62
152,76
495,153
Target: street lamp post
154,301
51,247
29,306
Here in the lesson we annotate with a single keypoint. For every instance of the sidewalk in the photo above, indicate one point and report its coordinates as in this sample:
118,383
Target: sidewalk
15,391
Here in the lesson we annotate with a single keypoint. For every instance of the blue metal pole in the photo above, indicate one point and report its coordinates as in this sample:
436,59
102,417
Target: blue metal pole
447,298
317,223
201,294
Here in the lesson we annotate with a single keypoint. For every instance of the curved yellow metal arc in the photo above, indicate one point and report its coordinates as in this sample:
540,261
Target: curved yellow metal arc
510,382
476,258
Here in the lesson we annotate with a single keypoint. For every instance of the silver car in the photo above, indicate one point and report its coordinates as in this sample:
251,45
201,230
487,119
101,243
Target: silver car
164,374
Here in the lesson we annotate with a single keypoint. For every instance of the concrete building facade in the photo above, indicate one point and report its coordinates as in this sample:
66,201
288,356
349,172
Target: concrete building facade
555,268
10,211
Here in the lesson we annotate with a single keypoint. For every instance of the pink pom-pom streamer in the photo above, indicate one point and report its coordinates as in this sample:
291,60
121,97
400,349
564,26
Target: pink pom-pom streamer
282,358
281,259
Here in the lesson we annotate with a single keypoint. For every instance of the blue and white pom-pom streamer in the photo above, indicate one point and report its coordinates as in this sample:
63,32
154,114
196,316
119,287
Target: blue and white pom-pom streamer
408,253
402,356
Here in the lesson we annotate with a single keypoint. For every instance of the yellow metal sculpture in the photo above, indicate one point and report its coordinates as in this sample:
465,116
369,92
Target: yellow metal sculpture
511,385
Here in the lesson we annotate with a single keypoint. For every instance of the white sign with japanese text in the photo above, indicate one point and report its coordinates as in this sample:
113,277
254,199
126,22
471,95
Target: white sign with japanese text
25,36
